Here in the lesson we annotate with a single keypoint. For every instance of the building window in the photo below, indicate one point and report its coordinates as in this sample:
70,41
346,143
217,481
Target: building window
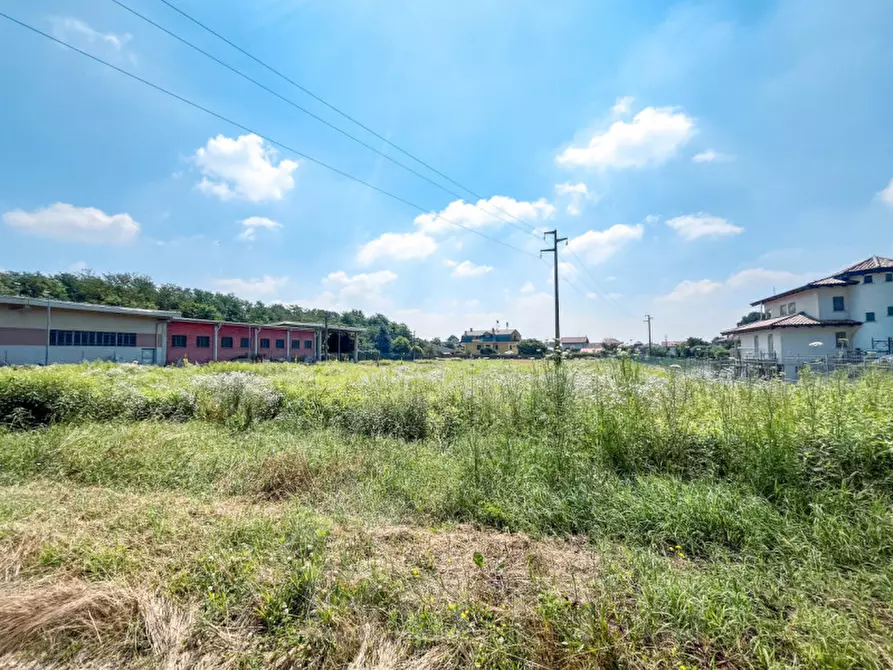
770,342
792,308
91,338
264,343
280,344
178,341
784,310
308,344
869,316
890,310
838,303
296,344
840,339
203,341
244,343
869,279
226,342
888,276
756,342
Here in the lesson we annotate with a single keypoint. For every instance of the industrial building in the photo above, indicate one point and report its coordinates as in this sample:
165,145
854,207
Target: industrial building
37,331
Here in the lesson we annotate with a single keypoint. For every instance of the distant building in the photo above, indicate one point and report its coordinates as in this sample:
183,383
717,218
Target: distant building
499,341
37,331
574,343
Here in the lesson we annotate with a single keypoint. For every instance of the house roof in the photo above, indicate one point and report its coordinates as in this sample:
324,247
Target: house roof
575,340
492,331
611,340
842,278
800,320
313,326
87,307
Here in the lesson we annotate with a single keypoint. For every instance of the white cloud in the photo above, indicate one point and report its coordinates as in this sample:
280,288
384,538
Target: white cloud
577,193
622,106
358,289
243,168
752,279
652,137
886,195
694,226
711,156
74,224
467,269
651,219
252,224
596,246
78,266
528,287
252,289
685,290
494,212
399,246
69,29
591,295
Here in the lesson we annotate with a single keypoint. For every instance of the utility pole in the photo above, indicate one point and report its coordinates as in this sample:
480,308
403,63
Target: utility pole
648,320
412,347
554,250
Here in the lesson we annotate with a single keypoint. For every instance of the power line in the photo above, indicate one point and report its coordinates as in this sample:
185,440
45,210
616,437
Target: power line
598,287
338,111
247,129
316,117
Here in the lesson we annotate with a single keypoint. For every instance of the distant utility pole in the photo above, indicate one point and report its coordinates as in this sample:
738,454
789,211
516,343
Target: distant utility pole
554,250
412,347
648,319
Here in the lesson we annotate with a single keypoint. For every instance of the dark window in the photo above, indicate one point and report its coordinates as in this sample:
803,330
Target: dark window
226,342
280,344
244,343
202,341
296,344
178,341
89,338
308,344
869,316
264,343
840,339
838,303
889,276
890,310
869,279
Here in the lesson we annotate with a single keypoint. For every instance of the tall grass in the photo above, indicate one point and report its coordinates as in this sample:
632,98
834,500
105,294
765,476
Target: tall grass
747,524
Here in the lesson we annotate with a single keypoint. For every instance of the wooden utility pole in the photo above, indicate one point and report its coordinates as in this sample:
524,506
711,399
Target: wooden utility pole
554,250
648,320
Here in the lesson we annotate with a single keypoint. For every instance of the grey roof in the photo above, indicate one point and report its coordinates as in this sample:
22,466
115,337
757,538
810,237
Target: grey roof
800,320
842,278
575,340
87,307
493,331
314,326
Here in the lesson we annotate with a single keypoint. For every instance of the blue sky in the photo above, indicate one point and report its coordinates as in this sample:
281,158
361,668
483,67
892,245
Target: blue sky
696,154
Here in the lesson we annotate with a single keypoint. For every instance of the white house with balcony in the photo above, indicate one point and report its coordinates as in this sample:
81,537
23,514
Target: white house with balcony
849,313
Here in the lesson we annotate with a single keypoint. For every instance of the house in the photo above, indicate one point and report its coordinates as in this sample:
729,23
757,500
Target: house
849,312
574,343
479,342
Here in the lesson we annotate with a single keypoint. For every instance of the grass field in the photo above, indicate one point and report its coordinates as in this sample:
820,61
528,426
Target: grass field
460,514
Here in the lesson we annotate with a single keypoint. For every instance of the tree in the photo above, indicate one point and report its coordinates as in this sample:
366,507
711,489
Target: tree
750,317
383,340
400,345
452,342
531,347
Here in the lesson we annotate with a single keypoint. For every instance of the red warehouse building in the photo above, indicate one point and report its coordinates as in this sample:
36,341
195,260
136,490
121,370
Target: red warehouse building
204,340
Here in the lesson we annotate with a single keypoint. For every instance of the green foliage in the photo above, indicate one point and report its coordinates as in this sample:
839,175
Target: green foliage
400,345
531,348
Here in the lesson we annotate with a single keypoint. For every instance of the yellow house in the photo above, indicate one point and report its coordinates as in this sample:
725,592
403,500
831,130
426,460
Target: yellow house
477,342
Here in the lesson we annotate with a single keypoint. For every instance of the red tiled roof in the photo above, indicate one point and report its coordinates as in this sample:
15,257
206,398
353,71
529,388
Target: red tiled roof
800,320
842,278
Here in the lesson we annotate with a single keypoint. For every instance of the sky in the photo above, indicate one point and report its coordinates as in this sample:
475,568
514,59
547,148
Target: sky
696,155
